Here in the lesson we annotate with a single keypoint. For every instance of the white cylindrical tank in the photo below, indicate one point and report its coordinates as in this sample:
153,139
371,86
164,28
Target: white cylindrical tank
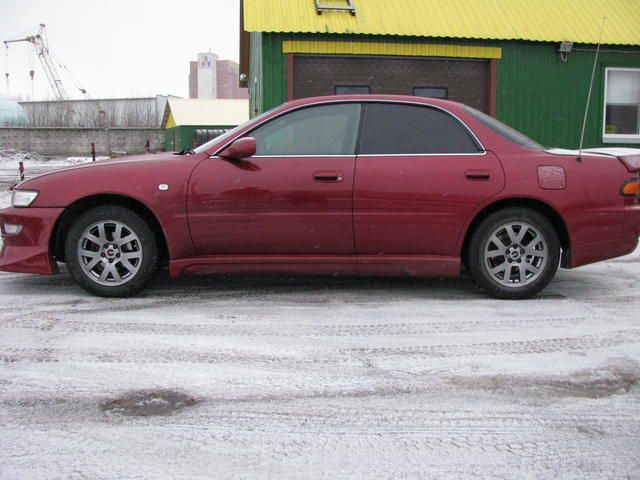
11,113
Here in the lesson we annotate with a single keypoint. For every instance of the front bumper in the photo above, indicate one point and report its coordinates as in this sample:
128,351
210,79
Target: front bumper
28,251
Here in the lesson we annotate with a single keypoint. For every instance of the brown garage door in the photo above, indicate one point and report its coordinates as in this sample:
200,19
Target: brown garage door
461,80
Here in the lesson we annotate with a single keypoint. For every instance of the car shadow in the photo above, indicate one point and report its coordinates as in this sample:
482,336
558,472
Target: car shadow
577,285
248,285
265,283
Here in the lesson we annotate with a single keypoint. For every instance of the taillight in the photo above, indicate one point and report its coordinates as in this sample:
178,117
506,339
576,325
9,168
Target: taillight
631,188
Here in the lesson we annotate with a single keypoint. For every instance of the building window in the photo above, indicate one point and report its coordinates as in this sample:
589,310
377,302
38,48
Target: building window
352,89
622,105
433,92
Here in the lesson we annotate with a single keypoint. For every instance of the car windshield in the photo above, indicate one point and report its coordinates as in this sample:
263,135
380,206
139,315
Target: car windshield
503,130
221,138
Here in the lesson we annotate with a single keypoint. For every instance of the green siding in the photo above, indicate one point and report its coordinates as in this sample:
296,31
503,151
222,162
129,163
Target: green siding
537,93
184,136
267,72
275,71
545,98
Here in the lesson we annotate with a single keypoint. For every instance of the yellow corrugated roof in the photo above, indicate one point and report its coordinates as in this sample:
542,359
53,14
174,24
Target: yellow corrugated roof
201,111
537,20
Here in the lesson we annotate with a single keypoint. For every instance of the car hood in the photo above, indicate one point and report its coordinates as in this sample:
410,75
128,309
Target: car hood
144,157
153,161
130,159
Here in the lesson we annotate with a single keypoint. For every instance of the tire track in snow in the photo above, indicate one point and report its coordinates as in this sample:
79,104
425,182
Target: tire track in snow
49,322
312,355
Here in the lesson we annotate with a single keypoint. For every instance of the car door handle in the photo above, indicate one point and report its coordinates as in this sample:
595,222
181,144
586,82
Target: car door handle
478,174
327,177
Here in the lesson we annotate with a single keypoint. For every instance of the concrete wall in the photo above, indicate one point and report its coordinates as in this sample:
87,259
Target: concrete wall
77,141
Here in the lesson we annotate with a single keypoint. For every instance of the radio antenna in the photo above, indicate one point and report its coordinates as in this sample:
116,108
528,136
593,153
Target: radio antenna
593,73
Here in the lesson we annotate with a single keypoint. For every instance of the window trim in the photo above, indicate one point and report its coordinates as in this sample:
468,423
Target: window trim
362,102
616,137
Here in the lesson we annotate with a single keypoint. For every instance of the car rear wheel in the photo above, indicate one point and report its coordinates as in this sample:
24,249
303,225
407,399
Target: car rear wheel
111,251
514,253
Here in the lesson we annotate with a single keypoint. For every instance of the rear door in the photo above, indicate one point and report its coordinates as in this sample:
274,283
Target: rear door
420,173
294,197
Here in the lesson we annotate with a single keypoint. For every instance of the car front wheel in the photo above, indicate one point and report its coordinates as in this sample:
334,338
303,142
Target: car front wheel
514,253
111,251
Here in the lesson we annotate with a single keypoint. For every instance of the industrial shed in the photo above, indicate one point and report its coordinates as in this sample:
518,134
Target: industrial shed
527,63
191,122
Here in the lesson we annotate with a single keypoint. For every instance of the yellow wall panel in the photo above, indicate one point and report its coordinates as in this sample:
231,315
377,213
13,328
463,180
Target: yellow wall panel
382,48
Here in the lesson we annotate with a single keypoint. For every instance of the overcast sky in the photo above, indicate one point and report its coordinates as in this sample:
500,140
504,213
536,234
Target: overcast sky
116,48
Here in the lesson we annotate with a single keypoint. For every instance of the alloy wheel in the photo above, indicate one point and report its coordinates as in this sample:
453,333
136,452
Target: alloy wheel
110,253
515,254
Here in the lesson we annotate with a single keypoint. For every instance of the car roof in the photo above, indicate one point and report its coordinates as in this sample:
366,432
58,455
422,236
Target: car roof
447,104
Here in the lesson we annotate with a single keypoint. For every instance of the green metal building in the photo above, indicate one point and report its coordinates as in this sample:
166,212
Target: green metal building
191,122
528,63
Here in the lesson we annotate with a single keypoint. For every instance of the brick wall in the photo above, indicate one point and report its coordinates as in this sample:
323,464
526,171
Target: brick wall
77,141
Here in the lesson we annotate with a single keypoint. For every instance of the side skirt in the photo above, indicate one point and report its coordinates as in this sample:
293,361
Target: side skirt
391,265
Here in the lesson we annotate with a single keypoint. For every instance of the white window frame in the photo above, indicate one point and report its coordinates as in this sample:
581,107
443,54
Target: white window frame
613,137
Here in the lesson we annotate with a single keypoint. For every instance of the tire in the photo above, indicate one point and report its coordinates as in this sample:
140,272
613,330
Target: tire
111,251
514,253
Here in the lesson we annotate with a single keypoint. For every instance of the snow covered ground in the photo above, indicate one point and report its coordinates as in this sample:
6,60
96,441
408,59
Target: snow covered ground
34,164
315,377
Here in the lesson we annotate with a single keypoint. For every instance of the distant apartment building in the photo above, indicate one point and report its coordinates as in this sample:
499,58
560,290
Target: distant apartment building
213,78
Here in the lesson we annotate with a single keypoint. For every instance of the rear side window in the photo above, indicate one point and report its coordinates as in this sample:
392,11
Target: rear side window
319,130
390,128
503,130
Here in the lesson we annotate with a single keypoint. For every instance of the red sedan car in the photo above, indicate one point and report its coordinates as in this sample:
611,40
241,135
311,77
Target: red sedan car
369,184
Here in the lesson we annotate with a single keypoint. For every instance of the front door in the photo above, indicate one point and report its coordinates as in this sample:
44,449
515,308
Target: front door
294,197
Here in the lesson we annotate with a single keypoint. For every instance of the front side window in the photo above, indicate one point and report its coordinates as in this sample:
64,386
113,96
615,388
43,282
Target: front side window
403,129
319,130
622,105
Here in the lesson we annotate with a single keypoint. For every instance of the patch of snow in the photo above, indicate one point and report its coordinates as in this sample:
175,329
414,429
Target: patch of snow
612,151
278,377
5,199
282,377
34,164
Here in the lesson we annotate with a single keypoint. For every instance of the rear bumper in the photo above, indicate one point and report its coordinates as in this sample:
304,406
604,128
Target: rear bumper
28,251
632,220
606,249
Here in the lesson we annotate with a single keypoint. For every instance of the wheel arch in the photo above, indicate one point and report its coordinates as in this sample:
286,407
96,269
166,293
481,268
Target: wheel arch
81,205
534,204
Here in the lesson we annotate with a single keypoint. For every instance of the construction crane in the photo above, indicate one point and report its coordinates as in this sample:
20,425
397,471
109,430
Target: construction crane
40,43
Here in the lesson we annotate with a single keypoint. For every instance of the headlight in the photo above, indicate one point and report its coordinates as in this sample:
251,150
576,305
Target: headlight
23,198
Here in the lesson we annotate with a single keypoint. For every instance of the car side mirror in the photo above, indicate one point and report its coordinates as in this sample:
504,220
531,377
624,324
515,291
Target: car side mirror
241,148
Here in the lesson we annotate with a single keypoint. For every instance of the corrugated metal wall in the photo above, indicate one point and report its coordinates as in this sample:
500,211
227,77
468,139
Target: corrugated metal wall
536,20
545,98
537,93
